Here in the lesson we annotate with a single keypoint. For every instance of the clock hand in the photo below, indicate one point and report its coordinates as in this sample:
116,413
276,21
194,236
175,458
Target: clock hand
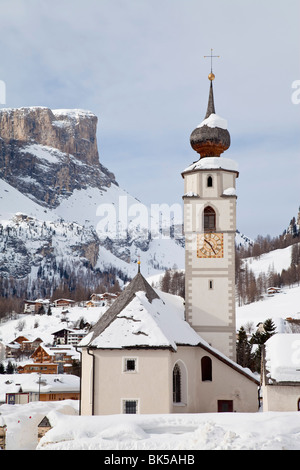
210,246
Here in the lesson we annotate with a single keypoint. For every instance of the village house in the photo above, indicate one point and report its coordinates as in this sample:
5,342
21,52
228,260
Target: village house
36,306
273,290
100,300
21,346
70,336
42,368
64,303
25,388
62,356
281,373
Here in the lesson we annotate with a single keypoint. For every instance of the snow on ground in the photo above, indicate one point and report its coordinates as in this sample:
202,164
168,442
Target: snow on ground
16,202
212,431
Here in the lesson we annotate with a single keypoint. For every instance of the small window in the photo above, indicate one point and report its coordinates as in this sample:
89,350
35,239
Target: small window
225,406
206,369
176,384
209,219
130,407
210,284
130,365
209,182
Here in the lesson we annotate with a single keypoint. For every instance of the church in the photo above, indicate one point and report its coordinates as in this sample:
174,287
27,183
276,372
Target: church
151,352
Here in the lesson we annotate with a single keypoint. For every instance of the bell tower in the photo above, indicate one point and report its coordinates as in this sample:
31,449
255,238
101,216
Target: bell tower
210,227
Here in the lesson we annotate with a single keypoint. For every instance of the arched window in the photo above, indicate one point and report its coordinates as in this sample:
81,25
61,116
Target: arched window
209,219
206,368
176,384
209,182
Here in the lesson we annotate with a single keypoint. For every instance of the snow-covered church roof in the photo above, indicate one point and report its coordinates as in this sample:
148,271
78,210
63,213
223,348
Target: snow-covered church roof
145,317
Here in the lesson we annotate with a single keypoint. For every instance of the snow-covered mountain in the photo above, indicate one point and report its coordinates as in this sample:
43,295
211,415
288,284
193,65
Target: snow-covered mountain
61,211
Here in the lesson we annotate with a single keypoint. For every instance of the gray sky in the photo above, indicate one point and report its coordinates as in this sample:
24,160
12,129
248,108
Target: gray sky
139,66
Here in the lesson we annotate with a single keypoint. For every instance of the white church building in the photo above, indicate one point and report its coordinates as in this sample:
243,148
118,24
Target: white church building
151,352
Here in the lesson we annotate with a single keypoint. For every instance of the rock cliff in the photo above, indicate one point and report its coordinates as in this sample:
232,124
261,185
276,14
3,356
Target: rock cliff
47,154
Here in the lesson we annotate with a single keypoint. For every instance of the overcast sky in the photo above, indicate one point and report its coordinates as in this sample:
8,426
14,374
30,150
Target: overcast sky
139,66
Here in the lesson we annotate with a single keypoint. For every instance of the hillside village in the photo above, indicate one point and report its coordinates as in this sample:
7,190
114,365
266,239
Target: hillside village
44,341
282,306
32,339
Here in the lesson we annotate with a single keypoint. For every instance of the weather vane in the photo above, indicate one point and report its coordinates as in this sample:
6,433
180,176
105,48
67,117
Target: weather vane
211,75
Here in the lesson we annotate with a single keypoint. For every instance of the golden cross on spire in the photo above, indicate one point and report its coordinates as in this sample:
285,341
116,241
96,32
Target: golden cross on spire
139,264
211,75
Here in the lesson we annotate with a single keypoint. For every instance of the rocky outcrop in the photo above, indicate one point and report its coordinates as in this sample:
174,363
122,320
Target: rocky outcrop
47,154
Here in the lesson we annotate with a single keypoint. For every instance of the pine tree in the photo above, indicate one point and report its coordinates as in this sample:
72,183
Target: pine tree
10,368
243,349
269,327
259,338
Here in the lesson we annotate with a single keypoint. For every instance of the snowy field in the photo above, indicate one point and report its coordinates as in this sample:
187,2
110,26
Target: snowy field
213,431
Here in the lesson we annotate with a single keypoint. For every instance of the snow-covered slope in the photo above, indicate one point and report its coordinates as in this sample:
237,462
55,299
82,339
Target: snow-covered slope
276,260
278,307
43,326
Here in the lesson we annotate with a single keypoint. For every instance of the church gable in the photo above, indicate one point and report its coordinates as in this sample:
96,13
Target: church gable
141,318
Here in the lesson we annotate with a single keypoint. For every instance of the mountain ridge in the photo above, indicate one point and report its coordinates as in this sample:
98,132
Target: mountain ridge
50,173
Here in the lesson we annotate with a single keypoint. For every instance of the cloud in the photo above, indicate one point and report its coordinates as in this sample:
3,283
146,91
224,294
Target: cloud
139,65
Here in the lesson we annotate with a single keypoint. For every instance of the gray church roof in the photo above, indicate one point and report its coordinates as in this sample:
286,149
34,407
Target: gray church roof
210,140
141,317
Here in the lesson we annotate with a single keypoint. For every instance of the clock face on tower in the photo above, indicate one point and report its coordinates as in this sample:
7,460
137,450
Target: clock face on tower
210,245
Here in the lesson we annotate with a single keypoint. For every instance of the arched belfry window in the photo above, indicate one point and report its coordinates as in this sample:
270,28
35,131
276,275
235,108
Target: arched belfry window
176,384
209,219
209,182
206,368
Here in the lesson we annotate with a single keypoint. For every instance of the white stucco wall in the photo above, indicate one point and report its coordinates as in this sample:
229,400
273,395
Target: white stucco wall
152,383
280,397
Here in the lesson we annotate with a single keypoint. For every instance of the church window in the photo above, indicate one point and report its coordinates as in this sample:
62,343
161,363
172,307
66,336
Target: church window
130,407
210,284
209,219
206,369
176,384
130,364
209,182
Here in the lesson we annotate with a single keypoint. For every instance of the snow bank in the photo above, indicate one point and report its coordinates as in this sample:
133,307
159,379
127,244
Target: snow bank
213,431
22,421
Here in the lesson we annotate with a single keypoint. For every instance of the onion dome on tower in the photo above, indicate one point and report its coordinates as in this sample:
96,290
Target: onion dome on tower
211,137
